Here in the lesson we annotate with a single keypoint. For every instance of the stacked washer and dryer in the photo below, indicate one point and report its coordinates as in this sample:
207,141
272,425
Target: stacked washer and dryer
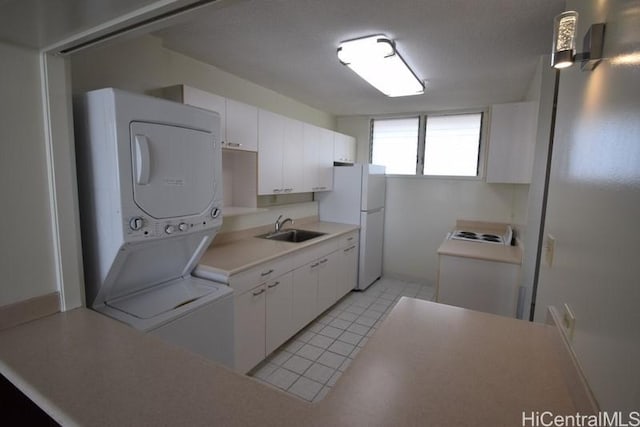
150,191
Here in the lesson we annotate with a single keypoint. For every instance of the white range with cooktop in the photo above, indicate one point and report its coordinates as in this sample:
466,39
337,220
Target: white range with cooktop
479,269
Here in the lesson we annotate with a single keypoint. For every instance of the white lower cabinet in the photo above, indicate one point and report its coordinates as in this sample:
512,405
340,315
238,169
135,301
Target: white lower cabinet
479,284
328,276
305,294
292,291
347,276
279,312
249,329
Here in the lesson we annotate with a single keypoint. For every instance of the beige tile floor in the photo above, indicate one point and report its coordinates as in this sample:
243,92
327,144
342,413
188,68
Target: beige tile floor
311,362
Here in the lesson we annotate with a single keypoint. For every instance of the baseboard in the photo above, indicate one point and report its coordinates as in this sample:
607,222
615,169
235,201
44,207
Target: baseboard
24,311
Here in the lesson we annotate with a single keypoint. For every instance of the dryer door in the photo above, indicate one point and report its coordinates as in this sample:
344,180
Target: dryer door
173,169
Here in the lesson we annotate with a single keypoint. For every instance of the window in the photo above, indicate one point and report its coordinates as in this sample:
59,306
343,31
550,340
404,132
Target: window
449,145
396,144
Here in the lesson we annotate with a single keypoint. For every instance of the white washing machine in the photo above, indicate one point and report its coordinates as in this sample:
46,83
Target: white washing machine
150,191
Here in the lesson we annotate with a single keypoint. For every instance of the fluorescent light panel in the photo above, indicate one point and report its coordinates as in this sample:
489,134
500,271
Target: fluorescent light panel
375,59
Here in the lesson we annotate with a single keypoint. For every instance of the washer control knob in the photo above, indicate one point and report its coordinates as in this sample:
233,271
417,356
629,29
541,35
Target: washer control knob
183,226
215,213
136,223
170,229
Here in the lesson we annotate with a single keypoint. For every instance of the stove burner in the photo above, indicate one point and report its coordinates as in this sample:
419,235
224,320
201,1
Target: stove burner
468,236
490,236
477,237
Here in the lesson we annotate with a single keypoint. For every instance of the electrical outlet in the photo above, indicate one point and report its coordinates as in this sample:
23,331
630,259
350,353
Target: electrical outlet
568,321
549,250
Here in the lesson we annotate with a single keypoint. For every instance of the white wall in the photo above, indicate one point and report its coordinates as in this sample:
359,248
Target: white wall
27,261
143,64
594,207
420,211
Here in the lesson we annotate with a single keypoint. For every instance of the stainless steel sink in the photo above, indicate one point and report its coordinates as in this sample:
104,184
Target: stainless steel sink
291,235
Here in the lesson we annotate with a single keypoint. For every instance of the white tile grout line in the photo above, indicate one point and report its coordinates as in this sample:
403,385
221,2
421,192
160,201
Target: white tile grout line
361,302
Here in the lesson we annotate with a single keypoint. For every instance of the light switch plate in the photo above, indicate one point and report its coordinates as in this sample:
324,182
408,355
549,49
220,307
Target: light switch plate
549,250
568,321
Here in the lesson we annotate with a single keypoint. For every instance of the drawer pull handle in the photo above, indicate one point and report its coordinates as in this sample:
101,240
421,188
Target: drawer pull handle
315,265
350,248
350,238
323,261
266,273
258,292
234,144
273,285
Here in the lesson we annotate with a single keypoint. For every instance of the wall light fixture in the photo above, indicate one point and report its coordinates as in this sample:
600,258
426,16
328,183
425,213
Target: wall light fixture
376,60
564,53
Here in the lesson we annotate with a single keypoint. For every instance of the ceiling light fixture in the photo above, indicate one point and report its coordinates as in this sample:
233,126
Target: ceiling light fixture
376,60
564,53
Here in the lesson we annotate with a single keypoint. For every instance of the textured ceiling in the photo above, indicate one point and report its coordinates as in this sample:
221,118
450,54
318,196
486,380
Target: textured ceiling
472,53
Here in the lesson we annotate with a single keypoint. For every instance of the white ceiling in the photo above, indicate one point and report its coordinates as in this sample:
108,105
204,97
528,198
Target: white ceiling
472,53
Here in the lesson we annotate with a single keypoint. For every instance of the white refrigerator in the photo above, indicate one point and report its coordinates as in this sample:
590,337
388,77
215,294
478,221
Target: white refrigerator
358,198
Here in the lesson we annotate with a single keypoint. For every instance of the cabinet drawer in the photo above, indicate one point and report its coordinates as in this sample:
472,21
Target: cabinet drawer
348,239
314,252
248,279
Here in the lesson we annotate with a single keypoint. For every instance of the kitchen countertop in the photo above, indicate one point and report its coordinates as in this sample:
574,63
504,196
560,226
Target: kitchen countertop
427,364
479,250
235,256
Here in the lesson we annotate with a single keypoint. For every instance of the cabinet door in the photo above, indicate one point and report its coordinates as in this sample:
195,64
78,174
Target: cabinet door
325,160
305,294
270,165
311,140
344,148
242,126
208,101
347,271
350,149
512,139
279,311
293,156
328,271
249,328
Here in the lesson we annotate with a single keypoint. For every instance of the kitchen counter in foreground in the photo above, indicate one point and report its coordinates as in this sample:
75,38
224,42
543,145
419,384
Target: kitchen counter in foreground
427,364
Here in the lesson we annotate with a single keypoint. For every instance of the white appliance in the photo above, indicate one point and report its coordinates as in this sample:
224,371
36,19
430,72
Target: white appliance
358,198
150,191
480,237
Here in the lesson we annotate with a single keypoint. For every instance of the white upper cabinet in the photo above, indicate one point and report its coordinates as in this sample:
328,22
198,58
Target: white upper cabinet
201,99
325,160
270,148
344,148
318,158
242,126
239,121
280,154
512,139
293,156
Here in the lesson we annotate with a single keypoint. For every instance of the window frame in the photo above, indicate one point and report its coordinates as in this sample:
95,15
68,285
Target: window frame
422,129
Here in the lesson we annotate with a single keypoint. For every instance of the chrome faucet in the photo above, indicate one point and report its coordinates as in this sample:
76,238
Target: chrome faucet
279,224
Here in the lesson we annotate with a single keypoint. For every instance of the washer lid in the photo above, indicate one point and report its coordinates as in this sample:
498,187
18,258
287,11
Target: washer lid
167,297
